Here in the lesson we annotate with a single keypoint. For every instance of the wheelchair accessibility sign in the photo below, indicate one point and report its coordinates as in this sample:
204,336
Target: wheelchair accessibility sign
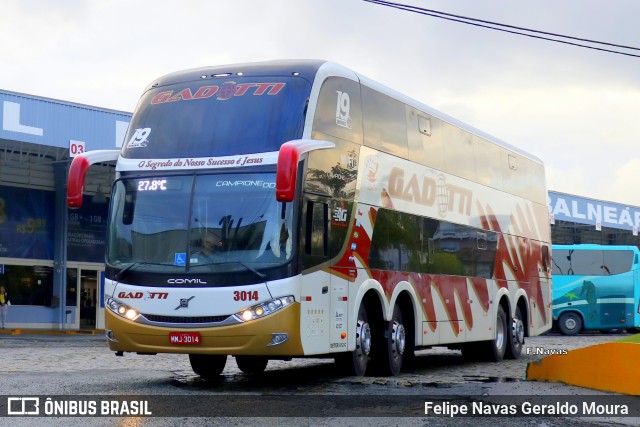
180,259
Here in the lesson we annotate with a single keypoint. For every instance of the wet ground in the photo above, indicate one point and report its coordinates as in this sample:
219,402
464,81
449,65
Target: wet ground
83,365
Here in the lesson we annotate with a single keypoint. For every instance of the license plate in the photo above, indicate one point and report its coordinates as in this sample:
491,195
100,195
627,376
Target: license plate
185,338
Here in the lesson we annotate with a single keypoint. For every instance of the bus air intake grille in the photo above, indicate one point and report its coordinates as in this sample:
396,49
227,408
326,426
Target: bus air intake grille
186,320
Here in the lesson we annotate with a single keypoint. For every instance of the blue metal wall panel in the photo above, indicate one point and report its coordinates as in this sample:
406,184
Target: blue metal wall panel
53,123
582,210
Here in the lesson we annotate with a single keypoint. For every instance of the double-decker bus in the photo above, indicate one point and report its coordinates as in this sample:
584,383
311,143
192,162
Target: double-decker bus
595,287
298,209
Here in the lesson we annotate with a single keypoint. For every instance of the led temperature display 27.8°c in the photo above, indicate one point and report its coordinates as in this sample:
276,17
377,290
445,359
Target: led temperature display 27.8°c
152,185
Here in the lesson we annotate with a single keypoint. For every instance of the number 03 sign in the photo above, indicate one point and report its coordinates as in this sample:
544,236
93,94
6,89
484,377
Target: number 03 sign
76,147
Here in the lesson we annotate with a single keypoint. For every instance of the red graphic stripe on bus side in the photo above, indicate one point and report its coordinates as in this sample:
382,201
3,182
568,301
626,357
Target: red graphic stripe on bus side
362,241
525,271
447,288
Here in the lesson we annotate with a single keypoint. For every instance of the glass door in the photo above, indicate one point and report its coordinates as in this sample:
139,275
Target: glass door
84,290
73,284
88,298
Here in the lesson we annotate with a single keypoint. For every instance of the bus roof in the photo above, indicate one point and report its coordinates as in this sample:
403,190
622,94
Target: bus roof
308,69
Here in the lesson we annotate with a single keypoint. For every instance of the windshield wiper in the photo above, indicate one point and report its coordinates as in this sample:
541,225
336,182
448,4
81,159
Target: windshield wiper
120,273
262,276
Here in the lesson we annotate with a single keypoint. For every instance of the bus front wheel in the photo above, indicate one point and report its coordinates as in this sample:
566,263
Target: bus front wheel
252,364
570,323
208,366
356,362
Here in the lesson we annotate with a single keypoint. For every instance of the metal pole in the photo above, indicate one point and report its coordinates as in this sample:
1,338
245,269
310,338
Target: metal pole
60,171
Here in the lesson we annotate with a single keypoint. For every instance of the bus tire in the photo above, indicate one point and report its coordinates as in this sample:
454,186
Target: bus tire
208,366
357,361
496,348
570,323
393,349
252,364
515,335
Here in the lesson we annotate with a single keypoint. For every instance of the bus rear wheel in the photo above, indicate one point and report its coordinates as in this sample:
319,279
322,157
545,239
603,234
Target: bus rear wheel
393,349
515,335
252,364
208,366
570,323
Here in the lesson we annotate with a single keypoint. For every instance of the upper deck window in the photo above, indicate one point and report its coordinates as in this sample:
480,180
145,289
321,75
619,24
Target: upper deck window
221,117
385,123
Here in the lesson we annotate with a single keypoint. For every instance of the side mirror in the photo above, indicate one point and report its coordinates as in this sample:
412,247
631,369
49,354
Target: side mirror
287,169
78,173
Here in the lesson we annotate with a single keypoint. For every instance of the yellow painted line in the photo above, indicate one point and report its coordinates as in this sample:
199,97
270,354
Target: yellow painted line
610,366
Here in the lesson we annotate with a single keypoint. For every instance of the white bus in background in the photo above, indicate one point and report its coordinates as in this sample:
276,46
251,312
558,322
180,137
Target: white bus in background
298,209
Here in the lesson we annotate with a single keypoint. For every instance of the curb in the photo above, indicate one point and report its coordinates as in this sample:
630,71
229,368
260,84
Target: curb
608,367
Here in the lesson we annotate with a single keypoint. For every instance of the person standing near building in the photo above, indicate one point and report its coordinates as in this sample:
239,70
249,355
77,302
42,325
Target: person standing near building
4,306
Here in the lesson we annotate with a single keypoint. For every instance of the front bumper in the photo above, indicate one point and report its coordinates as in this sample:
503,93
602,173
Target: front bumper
249,338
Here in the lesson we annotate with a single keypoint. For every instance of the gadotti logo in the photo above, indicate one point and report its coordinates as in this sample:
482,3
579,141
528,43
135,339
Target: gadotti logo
225,91
371,170
427,191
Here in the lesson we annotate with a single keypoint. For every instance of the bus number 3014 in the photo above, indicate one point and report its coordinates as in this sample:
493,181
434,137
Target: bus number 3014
245,295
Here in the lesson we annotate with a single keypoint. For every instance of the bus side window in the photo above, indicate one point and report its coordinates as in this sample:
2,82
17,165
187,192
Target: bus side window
316,238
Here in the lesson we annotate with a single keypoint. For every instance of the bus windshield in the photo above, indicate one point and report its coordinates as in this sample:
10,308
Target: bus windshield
199,223
219,117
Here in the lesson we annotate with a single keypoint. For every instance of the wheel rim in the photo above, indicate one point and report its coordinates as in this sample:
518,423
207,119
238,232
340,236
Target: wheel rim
518,331
570,323
363,343
500,334
399,338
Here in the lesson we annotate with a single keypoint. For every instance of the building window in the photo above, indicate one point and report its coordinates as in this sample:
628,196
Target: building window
28,285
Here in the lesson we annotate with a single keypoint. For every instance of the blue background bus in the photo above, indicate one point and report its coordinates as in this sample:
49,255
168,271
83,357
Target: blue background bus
595,287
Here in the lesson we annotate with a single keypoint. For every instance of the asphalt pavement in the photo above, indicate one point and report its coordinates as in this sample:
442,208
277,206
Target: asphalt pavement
79,364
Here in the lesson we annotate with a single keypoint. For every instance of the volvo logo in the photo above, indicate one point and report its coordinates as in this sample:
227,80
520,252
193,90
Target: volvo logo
186,282
184,302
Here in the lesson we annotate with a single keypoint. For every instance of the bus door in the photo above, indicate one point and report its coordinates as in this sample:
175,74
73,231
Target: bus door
342,275
315,292
325,289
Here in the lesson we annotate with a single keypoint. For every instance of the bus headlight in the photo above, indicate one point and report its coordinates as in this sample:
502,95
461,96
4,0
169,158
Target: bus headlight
121,309
264,309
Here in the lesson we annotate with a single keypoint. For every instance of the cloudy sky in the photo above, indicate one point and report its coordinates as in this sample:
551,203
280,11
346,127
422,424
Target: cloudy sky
577,109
